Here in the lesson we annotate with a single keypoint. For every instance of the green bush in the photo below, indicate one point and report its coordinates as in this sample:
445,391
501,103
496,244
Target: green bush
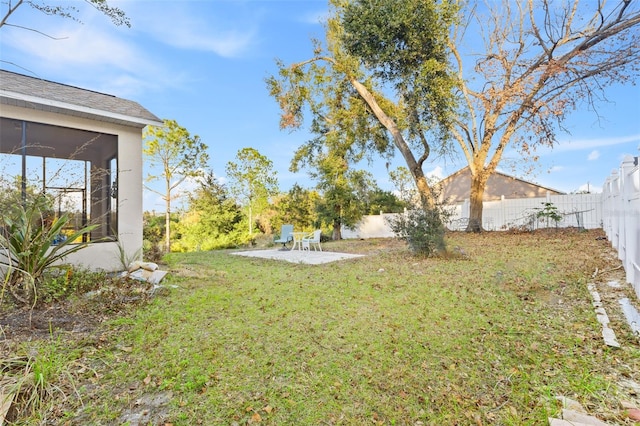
152,251
32,241
423,230
549,212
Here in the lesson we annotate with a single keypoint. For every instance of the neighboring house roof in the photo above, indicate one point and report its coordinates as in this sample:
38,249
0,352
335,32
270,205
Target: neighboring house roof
36,93
457,187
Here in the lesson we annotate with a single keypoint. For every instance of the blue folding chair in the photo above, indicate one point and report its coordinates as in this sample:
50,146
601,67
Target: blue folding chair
285,235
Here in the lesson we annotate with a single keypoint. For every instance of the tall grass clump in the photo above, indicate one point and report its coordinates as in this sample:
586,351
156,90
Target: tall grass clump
35,380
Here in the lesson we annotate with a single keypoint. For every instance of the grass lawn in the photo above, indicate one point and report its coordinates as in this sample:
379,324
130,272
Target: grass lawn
386,339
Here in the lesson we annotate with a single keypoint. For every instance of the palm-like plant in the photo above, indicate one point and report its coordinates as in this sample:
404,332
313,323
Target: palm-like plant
32,245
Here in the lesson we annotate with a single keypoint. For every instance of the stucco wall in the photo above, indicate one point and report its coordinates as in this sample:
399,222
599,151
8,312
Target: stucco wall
105,256
457,188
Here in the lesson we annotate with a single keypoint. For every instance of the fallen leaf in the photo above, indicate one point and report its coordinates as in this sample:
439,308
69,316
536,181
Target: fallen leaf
627,404
256,418
147,380
268,409
634,414
478,419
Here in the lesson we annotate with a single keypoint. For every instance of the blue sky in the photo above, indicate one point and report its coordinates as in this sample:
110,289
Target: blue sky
203,63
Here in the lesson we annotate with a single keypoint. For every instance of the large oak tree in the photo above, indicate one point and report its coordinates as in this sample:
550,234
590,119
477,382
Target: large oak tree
537,62
489,75
355,102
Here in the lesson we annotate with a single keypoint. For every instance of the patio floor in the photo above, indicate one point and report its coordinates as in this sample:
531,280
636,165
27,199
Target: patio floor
298,256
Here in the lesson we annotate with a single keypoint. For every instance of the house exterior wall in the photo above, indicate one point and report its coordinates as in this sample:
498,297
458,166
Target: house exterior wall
457,188
105,255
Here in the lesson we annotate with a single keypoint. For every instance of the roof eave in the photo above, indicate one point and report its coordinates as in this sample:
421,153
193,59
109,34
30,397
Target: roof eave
82,111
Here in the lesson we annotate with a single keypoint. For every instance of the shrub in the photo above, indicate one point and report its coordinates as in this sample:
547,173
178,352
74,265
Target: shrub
423,230
549,212
32,243
151,251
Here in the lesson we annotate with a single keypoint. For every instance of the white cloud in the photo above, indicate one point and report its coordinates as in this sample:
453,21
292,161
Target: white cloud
593,155
437,173
226,44
95,55
579,144
319,17
80,45
176,25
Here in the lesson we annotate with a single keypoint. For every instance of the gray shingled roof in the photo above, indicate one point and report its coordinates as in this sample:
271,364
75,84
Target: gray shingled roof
35,93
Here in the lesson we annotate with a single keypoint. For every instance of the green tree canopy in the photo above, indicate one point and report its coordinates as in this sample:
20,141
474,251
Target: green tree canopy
403,182
516,67
372,106
297,207
378,200
212,221
252,181
173,156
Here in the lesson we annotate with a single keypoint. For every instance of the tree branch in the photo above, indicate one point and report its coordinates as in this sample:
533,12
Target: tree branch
10,11
35,31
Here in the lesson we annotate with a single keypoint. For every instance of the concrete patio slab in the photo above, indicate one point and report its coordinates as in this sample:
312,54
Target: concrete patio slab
298,256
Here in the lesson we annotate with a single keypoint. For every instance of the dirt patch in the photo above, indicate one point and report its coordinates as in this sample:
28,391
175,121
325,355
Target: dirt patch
74,318
43,322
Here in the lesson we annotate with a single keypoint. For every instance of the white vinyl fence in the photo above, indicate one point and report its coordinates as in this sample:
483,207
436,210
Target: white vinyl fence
621,216
576,210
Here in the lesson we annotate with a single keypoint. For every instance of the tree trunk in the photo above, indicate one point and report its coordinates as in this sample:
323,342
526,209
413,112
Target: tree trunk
415,166
337,230
167,224
337,223
478,181
167,219
424,190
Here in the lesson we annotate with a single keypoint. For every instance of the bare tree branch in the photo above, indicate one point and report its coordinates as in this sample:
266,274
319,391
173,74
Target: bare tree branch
35,31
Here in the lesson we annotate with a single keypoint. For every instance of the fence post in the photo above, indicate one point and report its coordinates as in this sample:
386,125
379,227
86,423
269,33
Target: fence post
466,208
615,208
627,195
606,209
